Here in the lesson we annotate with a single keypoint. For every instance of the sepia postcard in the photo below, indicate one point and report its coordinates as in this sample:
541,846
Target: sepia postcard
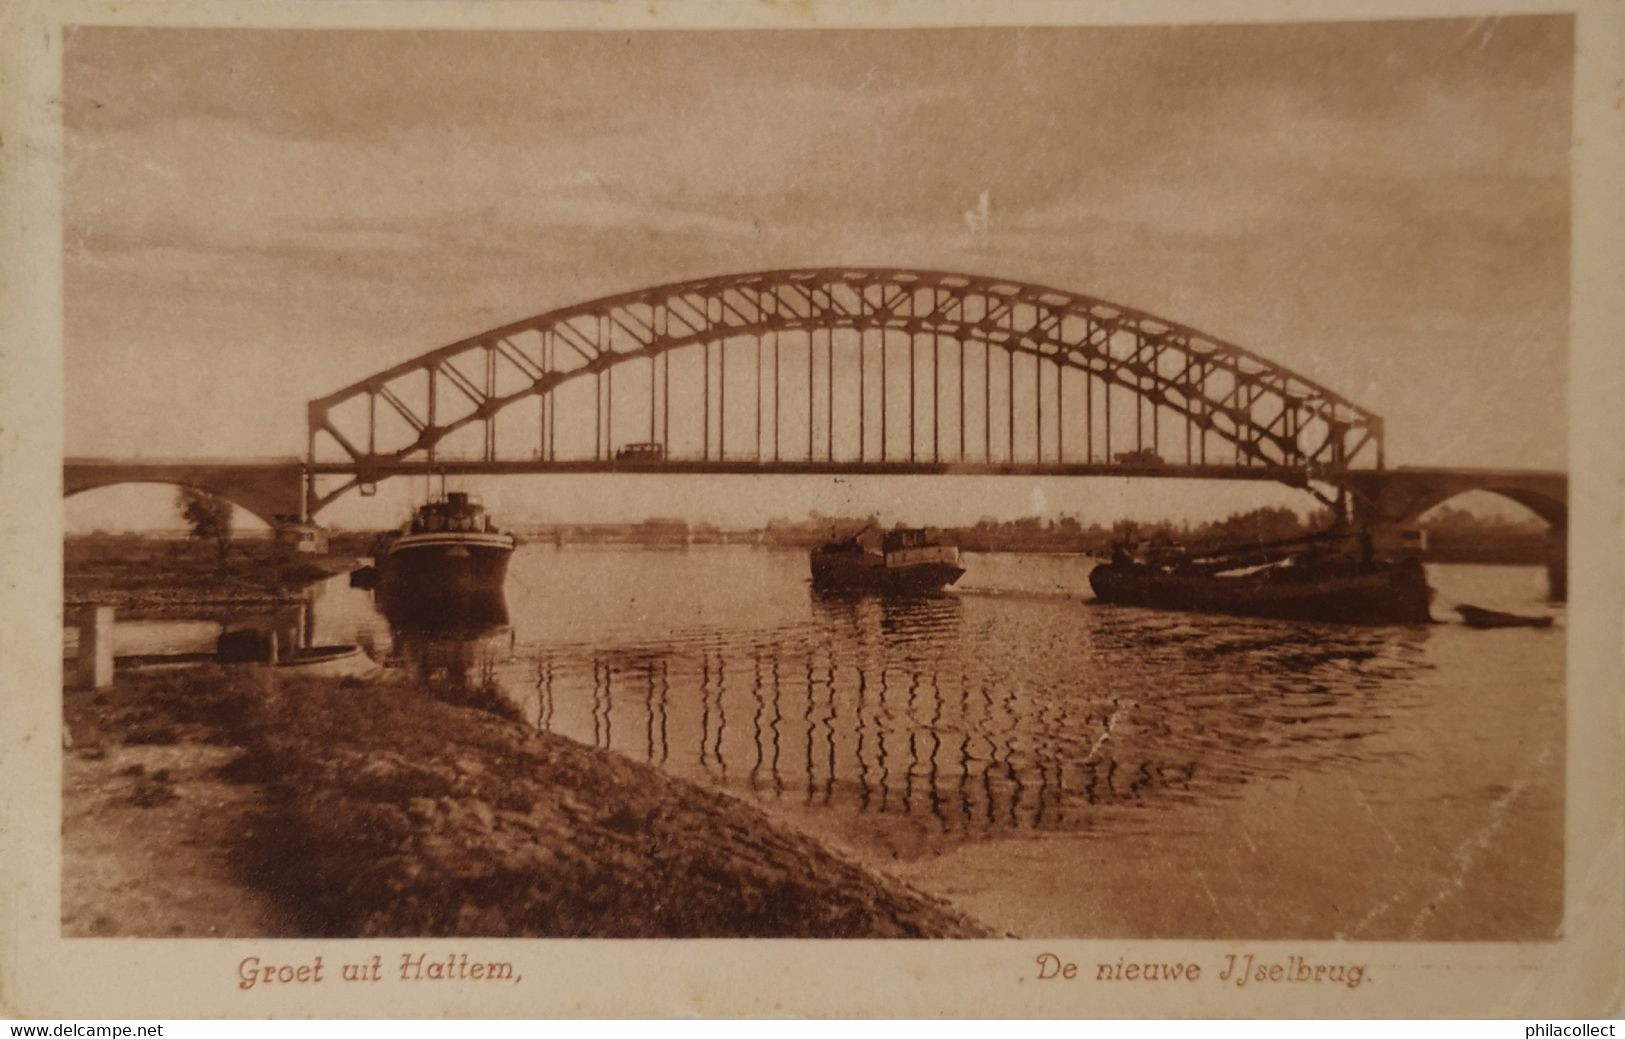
838,509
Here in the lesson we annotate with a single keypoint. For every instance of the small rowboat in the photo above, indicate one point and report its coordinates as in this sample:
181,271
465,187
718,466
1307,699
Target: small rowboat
1478,617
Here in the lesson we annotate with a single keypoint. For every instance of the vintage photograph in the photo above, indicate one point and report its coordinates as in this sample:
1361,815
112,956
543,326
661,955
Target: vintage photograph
1043,482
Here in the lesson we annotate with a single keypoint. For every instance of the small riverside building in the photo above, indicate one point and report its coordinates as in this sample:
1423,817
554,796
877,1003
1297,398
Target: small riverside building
306,538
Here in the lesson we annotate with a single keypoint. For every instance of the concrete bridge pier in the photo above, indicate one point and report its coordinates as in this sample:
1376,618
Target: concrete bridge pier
1557,564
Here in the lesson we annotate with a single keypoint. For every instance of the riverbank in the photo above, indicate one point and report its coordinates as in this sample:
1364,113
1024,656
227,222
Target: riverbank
231,802
154,574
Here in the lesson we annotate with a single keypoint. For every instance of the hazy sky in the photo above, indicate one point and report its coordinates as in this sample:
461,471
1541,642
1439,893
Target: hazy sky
255,218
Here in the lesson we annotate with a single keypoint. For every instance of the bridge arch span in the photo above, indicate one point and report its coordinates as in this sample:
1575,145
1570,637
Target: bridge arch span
1402,496
1069,357
270,491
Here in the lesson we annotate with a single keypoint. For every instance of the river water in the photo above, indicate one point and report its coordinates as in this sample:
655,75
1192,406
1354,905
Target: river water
1053,766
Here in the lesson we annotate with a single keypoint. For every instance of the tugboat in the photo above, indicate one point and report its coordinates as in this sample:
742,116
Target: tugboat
900,560
1330,576
450,548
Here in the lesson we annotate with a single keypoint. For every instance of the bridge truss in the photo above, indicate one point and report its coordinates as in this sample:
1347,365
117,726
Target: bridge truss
841,370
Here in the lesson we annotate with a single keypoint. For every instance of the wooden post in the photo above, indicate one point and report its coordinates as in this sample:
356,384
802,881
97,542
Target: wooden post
95,661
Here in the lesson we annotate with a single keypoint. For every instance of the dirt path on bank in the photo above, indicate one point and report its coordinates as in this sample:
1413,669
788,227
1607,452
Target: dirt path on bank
142,848
230,802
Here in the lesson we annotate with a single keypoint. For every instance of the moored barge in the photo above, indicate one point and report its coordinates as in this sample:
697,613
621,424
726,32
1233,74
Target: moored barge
1328,577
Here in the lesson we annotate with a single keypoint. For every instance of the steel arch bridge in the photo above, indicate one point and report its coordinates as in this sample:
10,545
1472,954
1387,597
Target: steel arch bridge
862,370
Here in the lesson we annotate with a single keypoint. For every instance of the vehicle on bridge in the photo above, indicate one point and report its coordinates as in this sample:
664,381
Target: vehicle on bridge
448,553
1331,576
1143,457
901,560
646,452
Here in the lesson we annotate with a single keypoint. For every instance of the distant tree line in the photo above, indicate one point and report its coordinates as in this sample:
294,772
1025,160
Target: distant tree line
1447,519
1454,534
1066,533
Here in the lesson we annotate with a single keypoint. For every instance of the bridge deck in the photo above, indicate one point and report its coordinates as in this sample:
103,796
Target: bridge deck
691,466
195,462
278,488
695,467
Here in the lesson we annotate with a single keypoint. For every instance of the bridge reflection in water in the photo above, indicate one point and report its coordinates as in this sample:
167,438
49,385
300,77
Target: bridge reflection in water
902,710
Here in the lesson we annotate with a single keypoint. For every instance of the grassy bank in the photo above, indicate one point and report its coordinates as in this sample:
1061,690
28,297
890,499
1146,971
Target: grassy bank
145,572
322,808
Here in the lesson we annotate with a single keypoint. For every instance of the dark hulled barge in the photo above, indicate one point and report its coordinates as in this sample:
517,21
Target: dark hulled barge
1323,577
